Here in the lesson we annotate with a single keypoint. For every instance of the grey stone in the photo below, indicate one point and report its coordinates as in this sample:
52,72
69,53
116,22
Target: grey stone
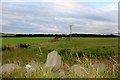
79,70
53,60
100,67
8,68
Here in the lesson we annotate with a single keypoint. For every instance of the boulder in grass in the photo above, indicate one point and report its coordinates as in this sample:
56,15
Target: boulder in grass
79,70
100,67
8,68
53,60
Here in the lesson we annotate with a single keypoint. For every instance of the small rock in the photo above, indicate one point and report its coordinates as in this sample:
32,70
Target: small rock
53,60
79,70
8,68
100,67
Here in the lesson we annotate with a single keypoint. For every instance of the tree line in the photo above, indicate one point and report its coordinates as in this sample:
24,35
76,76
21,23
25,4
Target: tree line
59,35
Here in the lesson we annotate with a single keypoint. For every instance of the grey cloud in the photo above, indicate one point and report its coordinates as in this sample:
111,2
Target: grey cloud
48,18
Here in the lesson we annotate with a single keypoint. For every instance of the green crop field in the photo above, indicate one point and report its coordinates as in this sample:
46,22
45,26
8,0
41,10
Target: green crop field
18,40
103,50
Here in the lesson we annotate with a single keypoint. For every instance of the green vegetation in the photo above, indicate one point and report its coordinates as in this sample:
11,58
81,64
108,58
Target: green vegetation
18,40
84,51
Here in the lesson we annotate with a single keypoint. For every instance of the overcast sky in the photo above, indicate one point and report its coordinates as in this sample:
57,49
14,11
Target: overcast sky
56,16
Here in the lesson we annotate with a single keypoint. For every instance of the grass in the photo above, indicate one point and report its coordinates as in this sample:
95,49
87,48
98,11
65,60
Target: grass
42,72
83,51
18,40
83,43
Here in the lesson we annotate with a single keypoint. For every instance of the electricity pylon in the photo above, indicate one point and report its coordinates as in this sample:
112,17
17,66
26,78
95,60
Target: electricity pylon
71,30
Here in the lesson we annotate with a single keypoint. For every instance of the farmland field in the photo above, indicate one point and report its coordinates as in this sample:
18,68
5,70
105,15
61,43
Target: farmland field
19,40
70,49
